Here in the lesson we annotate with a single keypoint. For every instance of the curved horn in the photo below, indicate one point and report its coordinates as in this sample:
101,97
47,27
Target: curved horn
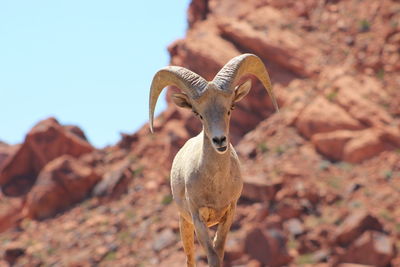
189,82
228,77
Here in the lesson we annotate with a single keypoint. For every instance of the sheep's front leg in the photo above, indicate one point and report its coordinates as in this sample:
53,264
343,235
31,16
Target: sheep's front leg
187,236
205,240
222,231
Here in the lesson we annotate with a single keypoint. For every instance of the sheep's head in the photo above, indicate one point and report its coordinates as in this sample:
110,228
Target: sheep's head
213,101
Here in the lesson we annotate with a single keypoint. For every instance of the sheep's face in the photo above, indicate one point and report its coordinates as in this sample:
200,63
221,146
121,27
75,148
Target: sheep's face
214,109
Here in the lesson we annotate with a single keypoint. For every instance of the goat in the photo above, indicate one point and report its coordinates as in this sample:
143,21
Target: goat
206,181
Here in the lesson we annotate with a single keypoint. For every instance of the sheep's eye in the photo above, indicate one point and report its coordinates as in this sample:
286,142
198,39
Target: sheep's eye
232,108
197,114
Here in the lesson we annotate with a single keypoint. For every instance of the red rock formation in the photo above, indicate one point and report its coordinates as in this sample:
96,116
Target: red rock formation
322,116
355,146
354,225
62,183
198,10
350,98
267,247
372,249
274,47
322,177
45,142
332,144
6,151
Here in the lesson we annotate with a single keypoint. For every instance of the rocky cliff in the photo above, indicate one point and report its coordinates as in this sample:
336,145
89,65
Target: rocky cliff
322,177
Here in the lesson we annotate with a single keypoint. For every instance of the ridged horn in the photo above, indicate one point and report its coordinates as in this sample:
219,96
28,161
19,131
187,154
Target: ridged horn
189,82
229,76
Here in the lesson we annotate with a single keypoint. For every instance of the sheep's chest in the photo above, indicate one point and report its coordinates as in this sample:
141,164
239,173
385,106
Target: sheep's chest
215,193
212,216
213,198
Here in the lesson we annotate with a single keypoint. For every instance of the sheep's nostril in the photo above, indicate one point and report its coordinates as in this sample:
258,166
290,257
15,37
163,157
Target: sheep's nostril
219,140
215,140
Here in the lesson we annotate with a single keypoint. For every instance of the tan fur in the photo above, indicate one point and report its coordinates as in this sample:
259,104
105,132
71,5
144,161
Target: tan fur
206,184
206,181
206,198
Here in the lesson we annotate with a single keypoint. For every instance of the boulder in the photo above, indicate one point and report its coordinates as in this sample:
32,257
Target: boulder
12,252
391,135
354,225
256,188
10,215
76,131
6,151
349,97
365,144
203,50
197,11
280,51
332,144
289,208
309,243
351,146
267,246
46,141
62,183
322,116
371,248
115,181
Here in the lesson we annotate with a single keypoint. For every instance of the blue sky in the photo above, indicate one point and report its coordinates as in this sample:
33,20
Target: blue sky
88,63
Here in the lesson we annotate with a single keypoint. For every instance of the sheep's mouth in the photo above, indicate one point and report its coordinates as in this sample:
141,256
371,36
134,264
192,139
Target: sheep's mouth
222,149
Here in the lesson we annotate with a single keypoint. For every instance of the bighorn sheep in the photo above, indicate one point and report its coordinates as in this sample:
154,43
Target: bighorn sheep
205,176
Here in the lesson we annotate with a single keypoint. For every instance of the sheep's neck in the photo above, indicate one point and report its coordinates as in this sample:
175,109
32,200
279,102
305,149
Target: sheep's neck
213,161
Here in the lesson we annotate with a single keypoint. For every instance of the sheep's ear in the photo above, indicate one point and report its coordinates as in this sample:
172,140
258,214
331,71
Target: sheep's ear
242,90
181,100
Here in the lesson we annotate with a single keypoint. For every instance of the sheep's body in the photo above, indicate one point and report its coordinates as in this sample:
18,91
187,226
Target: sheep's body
202,178
206,186
205,177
